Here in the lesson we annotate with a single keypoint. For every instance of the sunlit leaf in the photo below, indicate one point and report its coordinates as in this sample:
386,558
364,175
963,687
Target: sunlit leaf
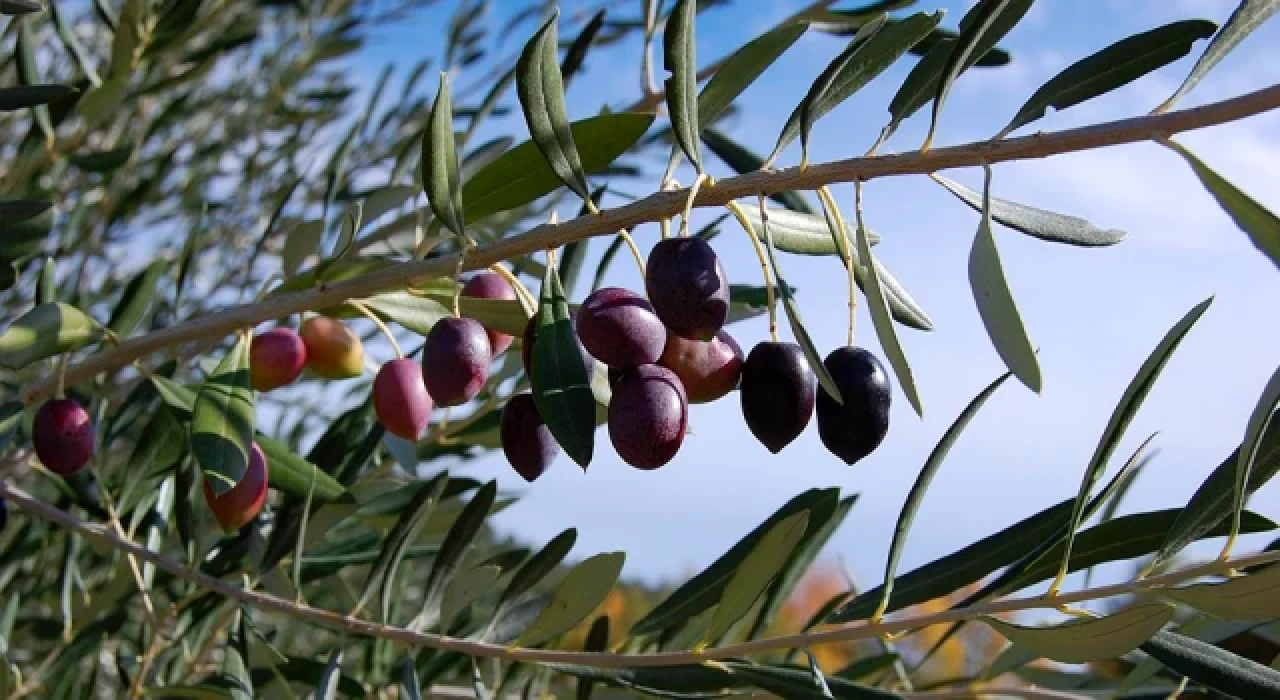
883,322
44,331
222,420
1092,639
1039,223
1252,597
579,592
755,573
541,92
680,59
440,162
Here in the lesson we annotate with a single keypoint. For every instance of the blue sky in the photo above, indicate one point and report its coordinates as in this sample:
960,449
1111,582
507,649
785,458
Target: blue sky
1095,313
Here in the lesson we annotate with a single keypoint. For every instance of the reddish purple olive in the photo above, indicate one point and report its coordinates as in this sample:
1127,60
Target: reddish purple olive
401,400
777,391
526,440
619,328
854,430
241,504
531,333
708,370
688,287
648,416
455,360
276,358
491,285
62,434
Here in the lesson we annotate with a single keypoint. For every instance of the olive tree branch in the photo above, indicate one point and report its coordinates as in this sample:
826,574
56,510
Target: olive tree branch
857,630
666,204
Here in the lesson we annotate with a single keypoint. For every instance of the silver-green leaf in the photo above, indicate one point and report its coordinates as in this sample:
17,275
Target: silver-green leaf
541,92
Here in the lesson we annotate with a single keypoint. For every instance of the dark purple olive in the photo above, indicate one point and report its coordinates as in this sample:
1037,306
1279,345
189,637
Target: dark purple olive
62,434
531,332
857,428
491,285
526,440
455,360
618,327
4,514
648,415
708,370
688,288
777,391
401,400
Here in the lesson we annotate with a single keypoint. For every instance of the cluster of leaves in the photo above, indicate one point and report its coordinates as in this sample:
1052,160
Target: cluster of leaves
186,134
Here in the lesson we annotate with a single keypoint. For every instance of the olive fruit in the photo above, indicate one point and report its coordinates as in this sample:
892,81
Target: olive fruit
62,435
455,360
401,400
708,370
491,285
276,358
854,430
648,416
777,392
241,504
688,288
333,350
4,514
526,440
618,327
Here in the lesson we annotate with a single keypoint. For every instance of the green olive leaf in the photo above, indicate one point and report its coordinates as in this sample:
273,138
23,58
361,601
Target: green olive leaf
883,322
44,331
1115,66
541,93
755,573
560,385
1038,223
222,420
1258,222
1248,16
1091,639
1245,598
1213,666
440,162
679,57
580,592
995,302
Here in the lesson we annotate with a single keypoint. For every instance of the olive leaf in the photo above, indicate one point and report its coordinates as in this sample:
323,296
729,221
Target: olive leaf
871,52
1038,223
460,536
541,93
136,299
1245,598
1213,666
931,465
581,591
440,162
995,302
560,385
1258,222
793,315
222,420
1115,66
1248,16
1126,409
44,331
982,30
881,319
395,544
680,58
26,96
755,573
20,7
1259,420
1090,639
29,73
742,67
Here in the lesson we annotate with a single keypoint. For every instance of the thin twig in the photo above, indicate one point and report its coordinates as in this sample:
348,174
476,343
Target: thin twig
666,204
856,630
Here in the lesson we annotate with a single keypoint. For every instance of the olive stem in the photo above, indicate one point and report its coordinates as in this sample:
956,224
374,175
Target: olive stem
658,205
847,632
444,434
391,338
846,250
688,203
148,605
738,214
635,252
468,244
